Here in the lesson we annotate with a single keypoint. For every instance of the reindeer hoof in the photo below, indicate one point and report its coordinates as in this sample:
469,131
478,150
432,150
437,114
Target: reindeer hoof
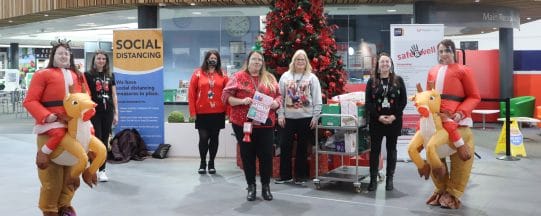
89,178
434,200
91,155
449,201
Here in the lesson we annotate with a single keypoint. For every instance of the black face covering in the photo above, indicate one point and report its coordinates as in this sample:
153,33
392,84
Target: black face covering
212,63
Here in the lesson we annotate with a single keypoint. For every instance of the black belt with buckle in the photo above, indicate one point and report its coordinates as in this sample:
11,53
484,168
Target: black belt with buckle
452,97
52,103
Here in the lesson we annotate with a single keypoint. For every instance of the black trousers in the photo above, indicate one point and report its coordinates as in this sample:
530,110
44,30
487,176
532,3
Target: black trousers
103,121
259,147
301,127
375,150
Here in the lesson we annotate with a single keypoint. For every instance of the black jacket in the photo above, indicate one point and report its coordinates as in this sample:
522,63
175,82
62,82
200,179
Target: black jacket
396,96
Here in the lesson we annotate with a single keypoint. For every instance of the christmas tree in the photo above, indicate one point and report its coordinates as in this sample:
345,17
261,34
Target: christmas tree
301,24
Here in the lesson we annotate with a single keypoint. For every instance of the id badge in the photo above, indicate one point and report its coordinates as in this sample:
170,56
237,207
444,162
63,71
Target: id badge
385,103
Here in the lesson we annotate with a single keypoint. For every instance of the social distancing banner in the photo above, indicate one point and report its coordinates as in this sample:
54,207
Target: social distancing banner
516,138
138,67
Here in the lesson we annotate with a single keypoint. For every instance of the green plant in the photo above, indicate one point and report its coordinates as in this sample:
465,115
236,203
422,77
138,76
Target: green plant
175,117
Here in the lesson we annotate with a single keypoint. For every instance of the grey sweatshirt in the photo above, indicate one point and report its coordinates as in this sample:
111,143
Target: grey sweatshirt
301,95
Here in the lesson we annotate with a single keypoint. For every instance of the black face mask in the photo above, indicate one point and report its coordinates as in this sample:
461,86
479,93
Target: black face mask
212,63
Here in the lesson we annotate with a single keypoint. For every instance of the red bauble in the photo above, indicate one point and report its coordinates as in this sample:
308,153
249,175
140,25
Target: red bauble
315,60
298,41
281,33
332,84
274,55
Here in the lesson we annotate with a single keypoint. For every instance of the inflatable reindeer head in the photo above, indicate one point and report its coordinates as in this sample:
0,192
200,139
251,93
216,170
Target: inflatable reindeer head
428,101
79,105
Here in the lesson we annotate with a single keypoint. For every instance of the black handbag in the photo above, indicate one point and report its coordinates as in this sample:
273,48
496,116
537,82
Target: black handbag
161,151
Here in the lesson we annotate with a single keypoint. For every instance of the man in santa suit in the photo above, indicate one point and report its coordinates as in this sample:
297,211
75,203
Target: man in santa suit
44,101
460,96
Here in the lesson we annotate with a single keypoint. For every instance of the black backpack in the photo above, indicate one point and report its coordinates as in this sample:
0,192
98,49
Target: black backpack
127,145
161,151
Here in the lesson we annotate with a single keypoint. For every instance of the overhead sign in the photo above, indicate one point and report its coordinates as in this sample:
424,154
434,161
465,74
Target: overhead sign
466,16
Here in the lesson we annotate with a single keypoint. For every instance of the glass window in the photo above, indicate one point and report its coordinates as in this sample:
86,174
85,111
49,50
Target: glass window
189,33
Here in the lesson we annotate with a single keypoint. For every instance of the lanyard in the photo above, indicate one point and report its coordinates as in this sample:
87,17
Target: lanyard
256,85
299,80
385,87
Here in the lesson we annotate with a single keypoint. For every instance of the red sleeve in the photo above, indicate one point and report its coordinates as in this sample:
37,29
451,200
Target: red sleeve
230,89
227,106
471,92
32,101
192,91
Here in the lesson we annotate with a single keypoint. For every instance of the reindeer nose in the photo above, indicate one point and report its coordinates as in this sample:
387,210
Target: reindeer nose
423,111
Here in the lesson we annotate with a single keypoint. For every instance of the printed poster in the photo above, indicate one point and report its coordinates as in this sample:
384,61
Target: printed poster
138,68
414,52
259,110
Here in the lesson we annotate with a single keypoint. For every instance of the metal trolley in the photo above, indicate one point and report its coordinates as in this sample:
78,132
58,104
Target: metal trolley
343,173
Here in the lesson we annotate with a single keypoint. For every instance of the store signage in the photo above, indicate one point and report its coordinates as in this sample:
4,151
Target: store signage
467,15
138,68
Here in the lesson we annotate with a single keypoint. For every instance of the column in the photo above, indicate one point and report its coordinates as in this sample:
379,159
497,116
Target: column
506,62
147,16
13,56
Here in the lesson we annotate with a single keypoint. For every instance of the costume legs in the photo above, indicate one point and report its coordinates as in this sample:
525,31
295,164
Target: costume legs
53,193
454,182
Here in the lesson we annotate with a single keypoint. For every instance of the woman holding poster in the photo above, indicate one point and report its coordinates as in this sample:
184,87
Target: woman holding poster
385,101
254,137
298,114
204,99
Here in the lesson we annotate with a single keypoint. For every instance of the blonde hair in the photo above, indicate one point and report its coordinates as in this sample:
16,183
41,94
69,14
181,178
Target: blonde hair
298,53
267,79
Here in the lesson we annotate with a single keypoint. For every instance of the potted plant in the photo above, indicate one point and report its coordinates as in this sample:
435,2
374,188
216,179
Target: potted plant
175,117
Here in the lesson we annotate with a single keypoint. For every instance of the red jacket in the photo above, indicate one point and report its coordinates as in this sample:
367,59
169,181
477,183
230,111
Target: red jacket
199,100
48,86
241,86
457,81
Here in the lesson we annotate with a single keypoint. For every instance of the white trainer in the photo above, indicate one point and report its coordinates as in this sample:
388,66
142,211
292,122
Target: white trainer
102,177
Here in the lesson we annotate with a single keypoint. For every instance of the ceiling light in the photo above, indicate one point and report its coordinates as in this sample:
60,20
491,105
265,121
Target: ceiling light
528,18
10,21
391,10
482,32
196,13
192,4
131,17
46,15
494,28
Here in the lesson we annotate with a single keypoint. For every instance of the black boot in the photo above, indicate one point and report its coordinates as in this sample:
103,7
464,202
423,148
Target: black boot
373,183
389,183
265,192
202,167
212,170
251,192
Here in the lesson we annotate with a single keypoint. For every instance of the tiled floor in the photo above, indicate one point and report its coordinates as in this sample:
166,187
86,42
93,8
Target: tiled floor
172,187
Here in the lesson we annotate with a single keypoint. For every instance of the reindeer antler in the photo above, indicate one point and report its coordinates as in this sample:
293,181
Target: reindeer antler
419,88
